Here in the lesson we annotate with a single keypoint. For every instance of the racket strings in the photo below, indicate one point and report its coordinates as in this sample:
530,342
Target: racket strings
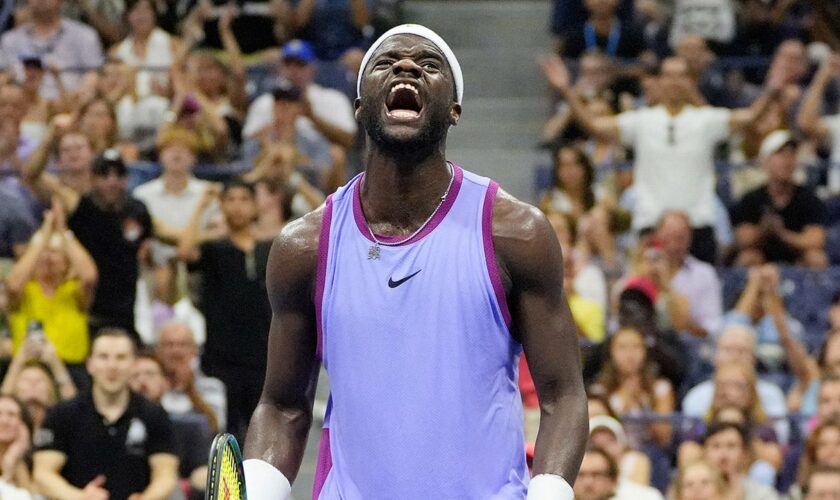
229,486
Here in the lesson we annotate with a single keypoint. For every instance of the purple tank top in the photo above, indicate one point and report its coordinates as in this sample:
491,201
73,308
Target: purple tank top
424,400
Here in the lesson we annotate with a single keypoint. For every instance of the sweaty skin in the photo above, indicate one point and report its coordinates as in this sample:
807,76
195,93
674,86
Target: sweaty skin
405,177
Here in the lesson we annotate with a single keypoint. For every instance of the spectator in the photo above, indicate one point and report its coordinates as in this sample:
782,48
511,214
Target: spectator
694,279
710,81
757,308
326,112
51,286
104,16
70,461
173,197
699,480
138,116
312,152
275,172
37,110
603,31
14,147
588,315
676,133
333,27
780,221
146,47
737,344
629,381
69,45
589,280
598,480
189,390
607,433
98,121
725,446
736,400
112,226
823,483
34,385
804,396
190,430
73,157
15,445
234,300
16,224
822,449
825,129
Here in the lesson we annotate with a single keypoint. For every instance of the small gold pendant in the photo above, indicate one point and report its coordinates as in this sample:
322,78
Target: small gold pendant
373,252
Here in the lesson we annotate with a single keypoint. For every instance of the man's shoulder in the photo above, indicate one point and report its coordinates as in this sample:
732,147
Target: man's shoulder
149,188
77,28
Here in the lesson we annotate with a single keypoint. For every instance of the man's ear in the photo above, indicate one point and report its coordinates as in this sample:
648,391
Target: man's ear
454,114
357,103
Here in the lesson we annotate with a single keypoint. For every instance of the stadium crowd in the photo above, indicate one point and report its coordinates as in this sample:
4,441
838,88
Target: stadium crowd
151,149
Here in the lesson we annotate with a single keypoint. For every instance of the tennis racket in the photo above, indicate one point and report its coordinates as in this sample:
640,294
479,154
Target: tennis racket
225,477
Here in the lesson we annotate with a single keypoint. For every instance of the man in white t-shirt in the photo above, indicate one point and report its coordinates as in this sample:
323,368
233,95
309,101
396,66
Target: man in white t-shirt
674,144
329,113
826,128
173,197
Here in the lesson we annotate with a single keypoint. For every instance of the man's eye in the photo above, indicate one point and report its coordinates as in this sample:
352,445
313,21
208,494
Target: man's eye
382,63
428,65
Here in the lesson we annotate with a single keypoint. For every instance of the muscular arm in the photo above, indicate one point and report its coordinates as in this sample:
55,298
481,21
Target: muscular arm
529,257
281,421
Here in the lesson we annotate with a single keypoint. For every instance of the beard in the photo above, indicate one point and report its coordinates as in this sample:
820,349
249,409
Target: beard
419,144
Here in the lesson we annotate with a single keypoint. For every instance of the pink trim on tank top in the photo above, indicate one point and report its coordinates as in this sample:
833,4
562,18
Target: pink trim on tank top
321,271
358,215
489,251
324,463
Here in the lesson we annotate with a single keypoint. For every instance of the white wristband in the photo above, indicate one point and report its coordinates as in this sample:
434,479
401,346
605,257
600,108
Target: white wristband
547,487
264,482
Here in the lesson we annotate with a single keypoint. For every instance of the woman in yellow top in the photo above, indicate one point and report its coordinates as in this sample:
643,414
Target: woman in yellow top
53,283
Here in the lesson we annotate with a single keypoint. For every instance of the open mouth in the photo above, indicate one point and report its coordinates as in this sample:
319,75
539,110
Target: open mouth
403,102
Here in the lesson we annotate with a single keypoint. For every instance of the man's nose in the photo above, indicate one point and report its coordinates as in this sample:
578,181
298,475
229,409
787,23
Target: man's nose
406,65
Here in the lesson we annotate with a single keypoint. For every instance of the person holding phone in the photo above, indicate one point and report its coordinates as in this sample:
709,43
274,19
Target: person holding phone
53,282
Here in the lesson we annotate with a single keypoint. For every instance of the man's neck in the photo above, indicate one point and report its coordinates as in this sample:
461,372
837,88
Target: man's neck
112,406
779,190
243,238
175,182
46,25
398,195
603,25
674,106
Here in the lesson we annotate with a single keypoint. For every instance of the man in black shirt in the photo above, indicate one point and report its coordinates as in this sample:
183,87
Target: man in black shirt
233,299
112,226
780,221
603,32
109,443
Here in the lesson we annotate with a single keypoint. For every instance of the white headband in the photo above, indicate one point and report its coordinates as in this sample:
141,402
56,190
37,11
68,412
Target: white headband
421,31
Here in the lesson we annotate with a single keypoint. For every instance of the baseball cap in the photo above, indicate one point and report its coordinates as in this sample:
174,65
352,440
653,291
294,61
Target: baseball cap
609,423
775,141
298,49
643,285
109,161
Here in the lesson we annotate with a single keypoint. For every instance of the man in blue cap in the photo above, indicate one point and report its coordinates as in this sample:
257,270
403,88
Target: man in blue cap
328,112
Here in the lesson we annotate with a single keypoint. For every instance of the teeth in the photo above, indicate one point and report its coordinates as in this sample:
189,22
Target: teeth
404,86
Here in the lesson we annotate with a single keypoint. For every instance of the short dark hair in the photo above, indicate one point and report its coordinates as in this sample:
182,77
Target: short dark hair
717,427
238,183
109,160
117,332
612,467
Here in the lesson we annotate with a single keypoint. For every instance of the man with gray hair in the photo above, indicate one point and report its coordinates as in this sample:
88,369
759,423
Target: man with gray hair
737,344
178,354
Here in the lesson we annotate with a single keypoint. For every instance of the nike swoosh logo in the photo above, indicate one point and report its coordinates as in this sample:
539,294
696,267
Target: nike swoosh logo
395,284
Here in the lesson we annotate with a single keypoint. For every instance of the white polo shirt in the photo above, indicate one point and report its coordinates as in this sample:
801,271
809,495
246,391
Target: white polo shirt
674,161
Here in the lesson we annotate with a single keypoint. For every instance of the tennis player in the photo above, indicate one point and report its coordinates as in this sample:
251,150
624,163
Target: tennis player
417,285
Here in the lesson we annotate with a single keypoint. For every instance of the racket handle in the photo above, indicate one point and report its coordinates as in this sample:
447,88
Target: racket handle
264,482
